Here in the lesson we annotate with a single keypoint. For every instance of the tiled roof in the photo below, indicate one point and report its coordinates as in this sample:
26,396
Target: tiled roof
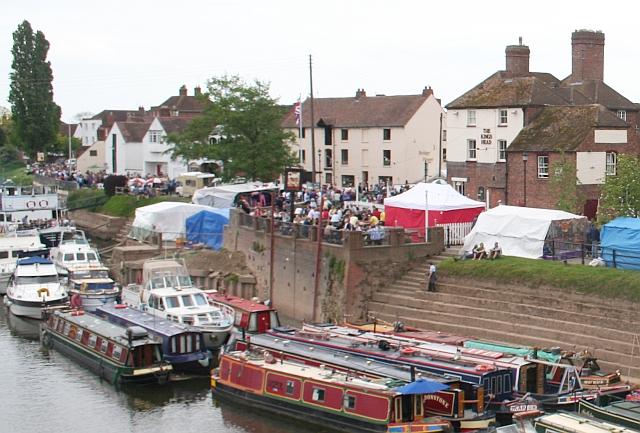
373,111
184,103
109,117
497,91
564,127
64,129
173,124
600,93
134,132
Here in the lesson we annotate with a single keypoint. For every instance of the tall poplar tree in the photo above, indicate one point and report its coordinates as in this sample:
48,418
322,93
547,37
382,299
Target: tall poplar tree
36,118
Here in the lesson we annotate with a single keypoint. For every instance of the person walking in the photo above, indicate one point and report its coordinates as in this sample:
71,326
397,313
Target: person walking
432,278
594,235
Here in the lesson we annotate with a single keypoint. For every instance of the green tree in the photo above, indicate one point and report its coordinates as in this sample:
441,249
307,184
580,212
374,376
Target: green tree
245,121
620,193
36,118
565,186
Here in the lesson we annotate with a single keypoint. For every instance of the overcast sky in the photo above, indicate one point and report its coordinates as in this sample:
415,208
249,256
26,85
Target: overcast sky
124,54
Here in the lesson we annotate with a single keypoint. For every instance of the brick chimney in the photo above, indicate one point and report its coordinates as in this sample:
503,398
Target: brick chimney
427,91
587,55
183,90
197,91
361,94
517,60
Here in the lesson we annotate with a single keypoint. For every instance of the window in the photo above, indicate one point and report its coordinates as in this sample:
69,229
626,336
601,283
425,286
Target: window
328,136
79,335
344,153
103,346
92,341
328,158
349,402
317,395
302,155
348,181
302,133
67,328
93,153
480,193
612,159
444,135
290,387
503,117
460,187
155,136
471,149
502,150
543,167
444,154
213,140
327,178
386,157
117,352
386,134
344,134
622,114
471,118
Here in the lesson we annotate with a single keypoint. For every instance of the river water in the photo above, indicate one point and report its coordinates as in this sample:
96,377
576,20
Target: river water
43,391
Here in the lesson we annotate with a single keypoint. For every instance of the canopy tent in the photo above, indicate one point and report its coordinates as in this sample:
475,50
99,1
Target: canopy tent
167,218
529,232
206,227
224,196
620,243
445,206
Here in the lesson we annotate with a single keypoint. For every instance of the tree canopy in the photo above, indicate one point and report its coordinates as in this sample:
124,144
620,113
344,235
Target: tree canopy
620,193
36,118
240,128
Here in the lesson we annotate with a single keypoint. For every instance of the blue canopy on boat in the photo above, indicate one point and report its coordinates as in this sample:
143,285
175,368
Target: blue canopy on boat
34,260
620,242
422,386
206,227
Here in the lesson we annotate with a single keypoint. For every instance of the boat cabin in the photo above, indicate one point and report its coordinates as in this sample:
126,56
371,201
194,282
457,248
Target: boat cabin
90,278
251,315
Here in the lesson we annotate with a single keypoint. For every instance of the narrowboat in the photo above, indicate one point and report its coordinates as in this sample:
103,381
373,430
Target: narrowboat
91,287
166,291
34,284
120,355
331,399
624,413
564,422
251,316
182,346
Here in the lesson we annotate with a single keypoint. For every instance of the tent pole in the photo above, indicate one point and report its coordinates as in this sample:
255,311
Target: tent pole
426,215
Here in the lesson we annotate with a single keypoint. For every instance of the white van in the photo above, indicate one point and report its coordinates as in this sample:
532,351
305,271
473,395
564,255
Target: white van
190,182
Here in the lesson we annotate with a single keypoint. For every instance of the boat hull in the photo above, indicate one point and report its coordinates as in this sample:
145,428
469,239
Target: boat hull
32,310
91,301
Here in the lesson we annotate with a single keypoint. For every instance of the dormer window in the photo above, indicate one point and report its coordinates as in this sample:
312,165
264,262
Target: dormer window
622,114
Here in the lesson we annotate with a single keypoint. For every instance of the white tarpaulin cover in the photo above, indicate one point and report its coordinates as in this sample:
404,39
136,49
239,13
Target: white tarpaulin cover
224,196
166,217
520,231
441,198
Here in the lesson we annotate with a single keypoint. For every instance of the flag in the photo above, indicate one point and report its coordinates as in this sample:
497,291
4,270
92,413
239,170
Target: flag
298,111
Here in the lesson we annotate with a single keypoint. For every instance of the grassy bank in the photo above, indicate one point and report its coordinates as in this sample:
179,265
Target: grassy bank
607,282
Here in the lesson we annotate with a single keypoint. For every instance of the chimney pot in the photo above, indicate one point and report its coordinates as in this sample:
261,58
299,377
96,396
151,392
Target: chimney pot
197,91
361,94
183,90
587,55
428,91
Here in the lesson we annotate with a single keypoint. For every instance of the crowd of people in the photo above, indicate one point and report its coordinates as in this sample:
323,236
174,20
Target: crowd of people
63,172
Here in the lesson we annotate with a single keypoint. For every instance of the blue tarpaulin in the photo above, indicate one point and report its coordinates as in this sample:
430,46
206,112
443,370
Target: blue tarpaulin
206,227
620,242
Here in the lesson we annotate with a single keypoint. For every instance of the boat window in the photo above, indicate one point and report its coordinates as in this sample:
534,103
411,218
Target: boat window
189,346
252,326
79,335
42,279
197,341
91,257
274,322
349,402
117,352
317,395
103,346
173,345
100,274
498,389
187,301
68,257
290,387
55,322
200,299
67,328
80,257
92,340
157,283
184,281
172,302
183,343
189,320
507,384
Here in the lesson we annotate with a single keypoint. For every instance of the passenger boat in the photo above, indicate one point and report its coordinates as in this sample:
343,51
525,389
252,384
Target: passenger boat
564,422
463,404
182,346
624,413
33,286
127,356
331,399
167,292
250,315
74,251
91,287
17,244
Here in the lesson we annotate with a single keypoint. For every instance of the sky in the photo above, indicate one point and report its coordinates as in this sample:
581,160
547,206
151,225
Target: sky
126,54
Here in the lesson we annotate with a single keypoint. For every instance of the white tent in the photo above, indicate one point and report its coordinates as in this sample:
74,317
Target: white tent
166,217
520,231
224,196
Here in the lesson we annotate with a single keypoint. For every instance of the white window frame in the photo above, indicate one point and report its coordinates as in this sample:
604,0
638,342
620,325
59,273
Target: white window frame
543,166
503,116
302,156
343,153
502,150
612,163
471,117
622,114
155,136
472,149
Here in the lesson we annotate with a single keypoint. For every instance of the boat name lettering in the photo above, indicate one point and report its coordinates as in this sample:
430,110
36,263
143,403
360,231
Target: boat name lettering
274,385
594,381
437,399
523,407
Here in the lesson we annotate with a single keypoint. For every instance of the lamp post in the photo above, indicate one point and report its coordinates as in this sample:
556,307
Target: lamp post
319,167
525,157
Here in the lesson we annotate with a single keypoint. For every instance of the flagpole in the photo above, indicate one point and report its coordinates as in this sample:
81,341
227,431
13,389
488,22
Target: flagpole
313,135
300,102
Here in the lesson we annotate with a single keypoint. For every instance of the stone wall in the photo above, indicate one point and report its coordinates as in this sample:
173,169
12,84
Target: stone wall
101,226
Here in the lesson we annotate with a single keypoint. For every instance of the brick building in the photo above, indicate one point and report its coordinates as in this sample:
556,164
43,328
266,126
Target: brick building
517,121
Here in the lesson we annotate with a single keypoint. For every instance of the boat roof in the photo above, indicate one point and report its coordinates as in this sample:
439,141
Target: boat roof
104,328
20,242
570,422
238,303
34,260
154,324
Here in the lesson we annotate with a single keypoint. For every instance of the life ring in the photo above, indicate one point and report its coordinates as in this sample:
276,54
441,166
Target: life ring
43,290
484,367
30,204
46,203
408,351
77,313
